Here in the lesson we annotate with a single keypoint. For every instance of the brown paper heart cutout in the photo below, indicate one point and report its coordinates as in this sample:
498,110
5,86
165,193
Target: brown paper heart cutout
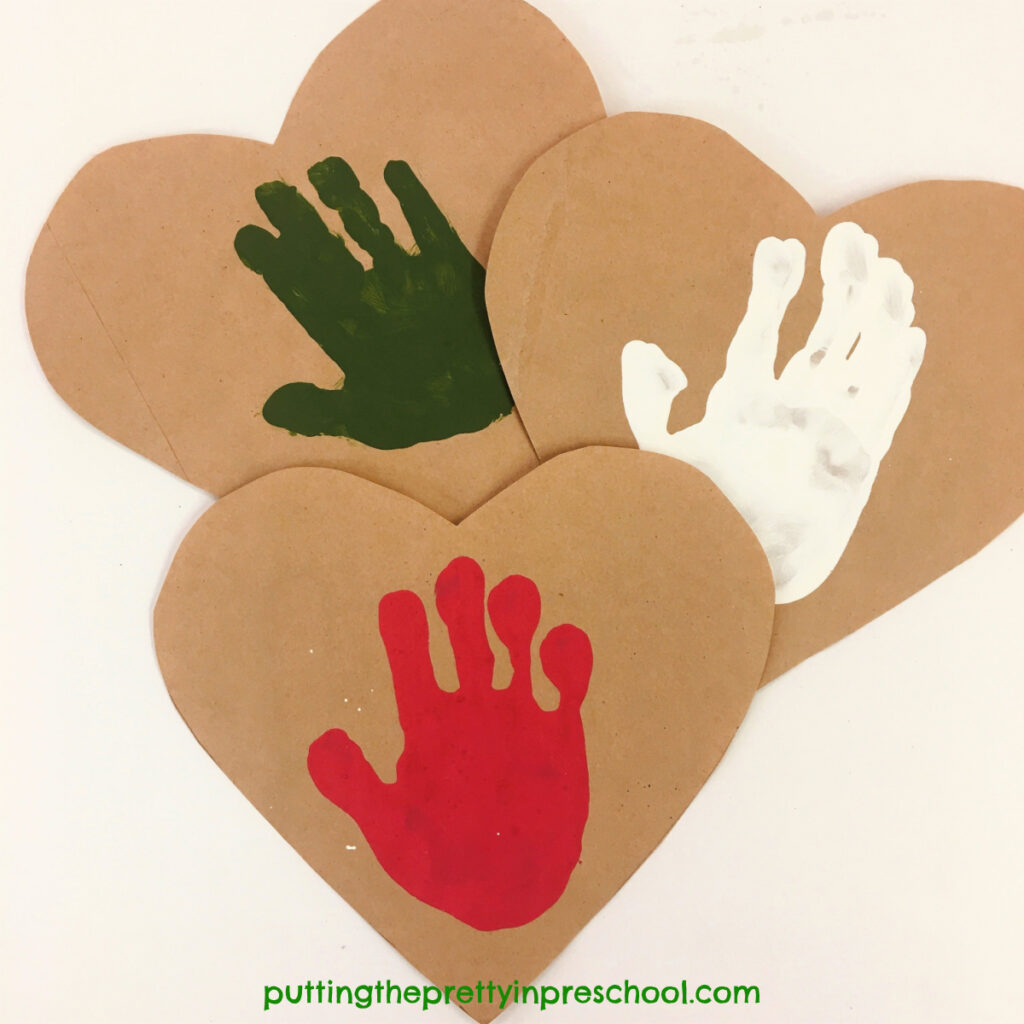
645,226
148,324
269,634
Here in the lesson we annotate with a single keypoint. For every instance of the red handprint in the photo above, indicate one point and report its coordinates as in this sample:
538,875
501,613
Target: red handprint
486,815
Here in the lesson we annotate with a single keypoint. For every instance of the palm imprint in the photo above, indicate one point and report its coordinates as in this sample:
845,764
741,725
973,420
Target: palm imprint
486,815
410,334
797,454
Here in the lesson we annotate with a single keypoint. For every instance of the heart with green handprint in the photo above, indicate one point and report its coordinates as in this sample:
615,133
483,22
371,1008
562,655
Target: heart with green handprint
370,353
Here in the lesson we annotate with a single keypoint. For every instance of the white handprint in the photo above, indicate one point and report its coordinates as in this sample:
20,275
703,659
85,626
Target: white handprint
796,455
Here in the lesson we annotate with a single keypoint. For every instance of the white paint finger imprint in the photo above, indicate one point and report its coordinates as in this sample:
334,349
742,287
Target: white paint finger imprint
798,454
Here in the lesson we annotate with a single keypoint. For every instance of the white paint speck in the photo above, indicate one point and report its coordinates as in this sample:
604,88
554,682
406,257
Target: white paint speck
347,847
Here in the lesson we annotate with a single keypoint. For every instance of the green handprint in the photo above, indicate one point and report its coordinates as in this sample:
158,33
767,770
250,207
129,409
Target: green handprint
410,334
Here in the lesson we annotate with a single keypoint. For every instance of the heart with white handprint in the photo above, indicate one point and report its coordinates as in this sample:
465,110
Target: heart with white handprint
475,733
851,382
229,307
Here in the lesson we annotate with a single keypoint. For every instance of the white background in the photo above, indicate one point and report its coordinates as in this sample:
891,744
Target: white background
858,854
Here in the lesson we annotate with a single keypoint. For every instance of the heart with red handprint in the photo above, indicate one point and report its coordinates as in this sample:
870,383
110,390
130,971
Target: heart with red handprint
165,310
475,733
851,381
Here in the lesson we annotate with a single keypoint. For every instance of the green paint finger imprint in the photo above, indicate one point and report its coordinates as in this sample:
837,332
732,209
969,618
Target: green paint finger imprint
410,334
